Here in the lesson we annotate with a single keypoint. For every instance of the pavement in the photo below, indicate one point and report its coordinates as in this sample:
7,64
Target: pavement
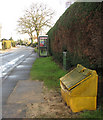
25,92
18,90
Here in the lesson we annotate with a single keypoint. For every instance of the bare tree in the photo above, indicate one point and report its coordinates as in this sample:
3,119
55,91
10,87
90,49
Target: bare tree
35,20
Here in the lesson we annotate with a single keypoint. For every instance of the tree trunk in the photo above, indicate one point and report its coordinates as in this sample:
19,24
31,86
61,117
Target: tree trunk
31,40
37,33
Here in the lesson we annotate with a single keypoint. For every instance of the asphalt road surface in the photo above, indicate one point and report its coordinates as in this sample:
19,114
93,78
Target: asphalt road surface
10,60
15,66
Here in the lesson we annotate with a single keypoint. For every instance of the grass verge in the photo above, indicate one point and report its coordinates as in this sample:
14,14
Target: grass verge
36,50
92,114
46,70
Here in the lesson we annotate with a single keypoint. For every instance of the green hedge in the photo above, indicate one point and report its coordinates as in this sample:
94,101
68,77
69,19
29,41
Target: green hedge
69,34
13,43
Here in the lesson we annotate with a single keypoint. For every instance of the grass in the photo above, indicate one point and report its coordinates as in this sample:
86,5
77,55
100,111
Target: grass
92,114
36,50
45,69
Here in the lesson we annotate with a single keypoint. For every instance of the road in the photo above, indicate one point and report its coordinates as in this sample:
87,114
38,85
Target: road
10,60
15,66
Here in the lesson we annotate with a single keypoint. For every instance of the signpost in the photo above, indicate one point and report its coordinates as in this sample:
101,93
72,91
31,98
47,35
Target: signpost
43,45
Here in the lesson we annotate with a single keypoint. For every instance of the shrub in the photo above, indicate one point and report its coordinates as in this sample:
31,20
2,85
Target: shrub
6,44
13,43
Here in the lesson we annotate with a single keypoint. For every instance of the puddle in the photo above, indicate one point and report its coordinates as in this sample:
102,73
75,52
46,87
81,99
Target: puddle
23,66
29,59
18,77
13,76
33,55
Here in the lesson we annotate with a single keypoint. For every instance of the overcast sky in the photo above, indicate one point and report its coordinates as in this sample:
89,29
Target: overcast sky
11,10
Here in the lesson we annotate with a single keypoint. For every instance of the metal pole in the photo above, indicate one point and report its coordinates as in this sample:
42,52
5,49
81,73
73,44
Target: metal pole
64,60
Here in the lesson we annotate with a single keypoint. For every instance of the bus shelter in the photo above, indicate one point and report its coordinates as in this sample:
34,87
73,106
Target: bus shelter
43,45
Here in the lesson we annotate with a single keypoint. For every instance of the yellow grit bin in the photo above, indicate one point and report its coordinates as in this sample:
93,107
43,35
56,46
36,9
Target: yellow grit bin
79,89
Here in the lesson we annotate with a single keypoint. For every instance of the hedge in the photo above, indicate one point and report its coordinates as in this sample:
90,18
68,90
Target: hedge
78,31
6,44
13,43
